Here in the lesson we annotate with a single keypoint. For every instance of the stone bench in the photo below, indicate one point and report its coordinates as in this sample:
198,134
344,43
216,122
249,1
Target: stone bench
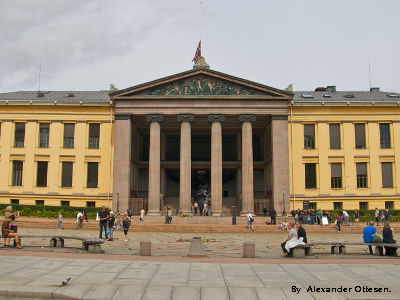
90,244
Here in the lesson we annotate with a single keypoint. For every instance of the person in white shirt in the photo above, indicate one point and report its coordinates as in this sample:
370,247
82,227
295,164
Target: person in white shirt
142,213
347,217
250,221
79,221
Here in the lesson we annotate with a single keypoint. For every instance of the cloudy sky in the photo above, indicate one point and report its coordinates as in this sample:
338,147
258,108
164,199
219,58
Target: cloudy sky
88,44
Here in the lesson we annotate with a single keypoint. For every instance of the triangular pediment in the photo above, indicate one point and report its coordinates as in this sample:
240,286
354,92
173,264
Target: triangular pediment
200,83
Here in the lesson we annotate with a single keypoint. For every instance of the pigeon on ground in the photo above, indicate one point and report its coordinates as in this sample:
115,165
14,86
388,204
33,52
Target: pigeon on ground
65,282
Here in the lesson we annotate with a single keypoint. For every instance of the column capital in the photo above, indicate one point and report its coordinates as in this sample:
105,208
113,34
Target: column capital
123,117
216,118
155,118
185,118
247,118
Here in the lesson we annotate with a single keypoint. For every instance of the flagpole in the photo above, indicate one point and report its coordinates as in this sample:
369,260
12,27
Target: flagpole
201,22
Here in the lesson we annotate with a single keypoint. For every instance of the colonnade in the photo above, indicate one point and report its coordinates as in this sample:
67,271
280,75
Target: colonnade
216,121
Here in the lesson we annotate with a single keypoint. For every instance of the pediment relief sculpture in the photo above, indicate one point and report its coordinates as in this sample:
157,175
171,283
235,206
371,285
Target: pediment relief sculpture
201,86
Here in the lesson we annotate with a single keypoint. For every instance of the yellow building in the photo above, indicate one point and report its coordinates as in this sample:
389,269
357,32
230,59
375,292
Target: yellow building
323,149
56,148
344,149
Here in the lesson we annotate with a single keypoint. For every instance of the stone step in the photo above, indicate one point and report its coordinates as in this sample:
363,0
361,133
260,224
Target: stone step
191,225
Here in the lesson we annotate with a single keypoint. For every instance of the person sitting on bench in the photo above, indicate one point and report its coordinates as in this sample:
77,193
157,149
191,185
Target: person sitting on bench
292,240
301,232
8,233
387,234
369,231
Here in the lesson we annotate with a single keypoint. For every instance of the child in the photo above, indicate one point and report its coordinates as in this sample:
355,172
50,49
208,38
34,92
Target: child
284,225
118,223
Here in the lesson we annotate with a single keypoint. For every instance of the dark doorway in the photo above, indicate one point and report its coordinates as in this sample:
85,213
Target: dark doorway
200,177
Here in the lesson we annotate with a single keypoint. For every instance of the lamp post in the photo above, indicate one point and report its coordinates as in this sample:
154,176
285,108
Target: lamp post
117,200
166,217
234,215
283,199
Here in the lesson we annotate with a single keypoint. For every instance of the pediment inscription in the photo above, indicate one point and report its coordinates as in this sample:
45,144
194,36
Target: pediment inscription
201,86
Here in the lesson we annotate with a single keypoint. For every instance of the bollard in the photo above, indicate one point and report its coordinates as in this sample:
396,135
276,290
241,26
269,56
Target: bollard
197,248
145,248
249,250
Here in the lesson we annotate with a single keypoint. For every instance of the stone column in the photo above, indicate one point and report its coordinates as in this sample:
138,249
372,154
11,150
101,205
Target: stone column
122,162
247,164
185,180
216,163
154,164
280,163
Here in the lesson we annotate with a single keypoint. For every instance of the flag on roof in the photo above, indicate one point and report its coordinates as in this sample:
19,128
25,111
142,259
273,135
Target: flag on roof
198,53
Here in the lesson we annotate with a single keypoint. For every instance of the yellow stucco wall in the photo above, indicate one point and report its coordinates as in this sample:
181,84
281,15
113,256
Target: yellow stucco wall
346,115
55,154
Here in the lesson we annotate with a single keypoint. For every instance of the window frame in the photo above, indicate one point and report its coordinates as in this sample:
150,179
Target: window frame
94,136
44,137
17,172
384,134
310,182
387,178
360,141
19,135
362,179
333,143
66,174
92,180
309,138
69,135
41,178
336,181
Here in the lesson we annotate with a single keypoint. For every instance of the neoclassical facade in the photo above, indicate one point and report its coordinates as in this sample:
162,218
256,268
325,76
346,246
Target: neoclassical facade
155,144
201,127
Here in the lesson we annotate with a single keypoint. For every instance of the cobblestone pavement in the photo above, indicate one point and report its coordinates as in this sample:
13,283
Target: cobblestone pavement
216,245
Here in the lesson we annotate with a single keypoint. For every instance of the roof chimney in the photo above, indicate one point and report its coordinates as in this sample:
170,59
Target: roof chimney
331,88
374,89
320,89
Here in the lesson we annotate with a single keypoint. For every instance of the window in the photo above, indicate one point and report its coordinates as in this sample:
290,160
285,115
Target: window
41,179
311,176
361,175
363,205
334,134
360,135
90,204
309,136
312,205
94,136
338,205
66,180
385,135
14,201
387,175
39,202
336,176
69,130
17,173
64,203
92,175
44,133
389,204
19,135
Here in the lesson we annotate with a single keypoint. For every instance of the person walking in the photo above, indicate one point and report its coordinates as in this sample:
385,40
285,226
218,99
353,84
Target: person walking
250,221
60,217
111,226
126,222
85,214
356,216
142,213
377,216
79,220
338,221
387,216
169,216
195,206
347,218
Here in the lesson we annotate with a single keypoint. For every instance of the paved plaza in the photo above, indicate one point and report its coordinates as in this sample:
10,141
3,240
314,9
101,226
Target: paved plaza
36,271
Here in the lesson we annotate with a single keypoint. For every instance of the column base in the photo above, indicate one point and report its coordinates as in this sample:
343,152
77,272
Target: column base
216,213
154,213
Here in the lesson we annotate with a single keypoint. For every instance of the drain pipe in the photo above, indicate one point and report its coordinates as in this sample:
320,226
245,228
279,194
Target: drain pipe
291,146
109,175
